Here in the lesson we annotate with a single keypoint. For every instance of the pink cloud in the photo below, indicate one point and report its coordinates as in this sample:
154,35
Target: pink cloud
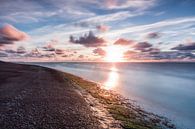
102,28
99,51
9,34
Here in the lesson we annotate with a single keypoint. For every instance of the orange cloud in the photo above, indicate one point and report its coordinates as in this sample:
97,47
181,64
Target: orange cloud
122,41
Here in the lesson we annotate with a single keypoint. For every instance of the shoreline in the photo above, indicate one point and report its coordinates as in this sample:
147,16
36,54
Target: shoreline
122,109
110,110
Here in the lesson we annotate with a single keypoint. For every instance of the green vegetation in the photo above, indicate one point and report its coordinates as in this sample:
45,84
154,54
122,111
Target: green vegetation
130,115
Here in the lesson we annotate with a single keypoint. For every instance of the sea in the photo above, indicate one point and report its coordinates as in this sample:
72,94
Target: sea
165,88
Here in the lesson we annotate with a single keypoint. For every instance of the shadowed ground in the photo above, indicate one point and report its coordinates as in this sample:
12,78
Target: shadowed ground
35,97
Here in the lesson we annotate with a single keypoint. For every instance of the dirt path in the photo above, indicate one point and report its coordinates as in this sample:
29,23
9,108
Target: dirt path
34,97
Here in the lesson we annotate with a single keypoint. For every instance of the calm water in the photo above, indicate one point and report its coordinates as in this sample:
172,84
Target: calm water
167,89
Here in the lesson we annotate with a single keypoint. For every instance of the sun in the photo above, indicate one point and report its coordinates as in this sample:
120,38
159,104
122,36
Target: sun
114,54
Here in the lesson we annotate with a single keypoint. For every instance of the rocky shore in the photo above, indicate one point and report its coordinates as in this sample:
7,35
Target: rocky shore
35,97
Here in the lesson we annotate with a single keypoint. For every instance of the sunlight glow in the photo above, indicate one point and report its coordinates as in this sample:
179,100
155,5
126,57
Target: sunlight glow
112,79
114,54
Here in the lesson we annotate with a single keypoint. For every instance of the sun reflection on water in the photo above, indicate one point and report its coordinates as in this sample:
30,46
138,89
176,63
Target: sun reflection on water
112,80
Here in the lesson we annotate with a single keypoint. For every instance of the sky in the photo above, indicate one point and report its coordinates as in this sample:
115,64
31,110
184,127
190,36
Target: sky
97,30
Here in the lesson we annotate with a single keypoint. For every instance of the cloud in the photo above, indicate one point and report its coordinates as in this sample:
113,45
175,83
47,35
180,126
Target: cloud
49,47
99,51
10,51
158,55
21,50
3,54
133,4
49,55
88,40
173,55
96,20
189,46
130,54
102,28
148,53
34,53
81,56
153,35
157,25
142,46
59,51
153,51
122,41
33,11
18,11
9,35
65,56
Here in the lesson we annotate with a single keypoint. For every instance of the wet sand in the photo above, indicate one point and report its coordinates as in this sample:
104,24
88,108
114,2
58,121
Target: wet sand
36,97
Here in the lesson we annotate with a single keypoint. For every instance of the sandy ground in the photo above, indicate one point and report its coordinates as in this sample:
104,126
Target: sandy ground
35,97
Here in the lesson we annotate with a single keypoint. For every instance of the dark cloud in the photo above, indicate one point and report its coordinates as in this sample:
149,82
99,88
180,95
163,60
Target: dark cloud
49,48
9,35
81,56
49,55
102,28
154,51
21,50
68,55
153,35
142,51
150,50
99,51
189,46
122,41
173,55
59,51
65,56
10,51
142,46
88,40
3,54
